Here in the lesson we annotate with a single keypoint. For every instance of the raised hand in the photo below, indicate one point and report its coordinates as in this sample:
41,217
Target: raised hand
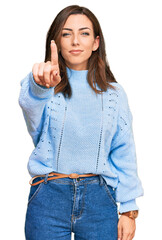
48,74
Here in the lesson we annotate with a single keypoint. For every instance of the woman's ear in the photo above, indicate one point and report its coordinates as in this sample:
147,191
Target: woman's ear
96,43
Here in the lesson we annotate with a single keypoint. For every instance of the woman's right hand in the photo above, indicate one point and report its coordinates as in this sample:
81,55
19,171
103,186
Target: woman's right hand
47,74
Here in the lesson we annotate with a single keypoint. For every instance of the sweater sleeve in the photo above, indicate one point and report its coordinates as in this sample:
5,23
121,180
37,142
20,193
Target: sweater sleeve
123,158
32,100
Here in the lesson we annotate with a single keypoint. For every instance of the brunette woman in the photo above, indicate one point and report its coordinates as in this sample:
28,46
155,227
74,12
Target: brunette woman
84,160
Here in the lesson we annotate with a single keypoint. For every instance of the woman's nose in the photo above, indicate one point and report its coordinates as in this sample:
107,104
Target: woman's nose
75,40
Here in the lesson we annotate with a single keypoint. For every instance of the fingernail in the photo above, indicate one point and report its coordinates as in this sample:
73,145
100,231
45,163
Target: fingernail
52,41
47,85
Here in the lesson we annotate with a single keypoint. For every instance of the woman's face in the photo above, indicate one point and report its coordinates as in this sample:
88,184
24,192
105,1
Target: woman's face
77,41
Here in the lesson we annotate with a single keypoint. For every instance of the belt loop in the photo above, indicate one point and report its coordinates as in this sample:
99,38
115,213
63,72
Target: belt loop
46,177
101,180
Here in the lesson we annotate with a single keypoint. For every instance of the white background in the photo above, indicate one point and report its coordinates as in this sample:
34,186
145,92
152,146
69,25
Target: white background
132,31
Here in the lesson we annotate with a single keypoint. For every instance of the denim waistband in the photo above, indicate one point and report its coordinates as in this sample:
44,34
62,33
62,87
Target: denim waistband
70,181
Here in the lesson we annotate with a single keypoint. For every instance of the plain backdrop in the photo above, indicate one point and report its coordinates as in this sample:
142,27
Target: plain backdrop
132,30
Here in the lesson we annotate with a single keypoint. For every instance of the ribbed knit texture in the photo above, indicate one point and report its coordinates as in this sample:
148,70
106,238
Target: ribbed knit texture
89,133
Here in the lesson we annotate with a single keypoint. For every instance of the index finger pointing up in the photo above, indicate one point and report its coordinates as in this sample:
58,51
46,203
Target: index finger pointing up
54,54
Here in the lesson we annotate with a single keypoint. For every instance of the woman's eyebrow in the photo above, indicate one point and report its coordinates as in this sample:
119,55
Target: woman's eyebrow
80,29
69,29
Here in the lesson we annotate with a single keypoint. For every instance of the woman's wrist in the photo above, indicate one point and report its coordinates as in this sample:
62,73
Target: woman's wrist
131,214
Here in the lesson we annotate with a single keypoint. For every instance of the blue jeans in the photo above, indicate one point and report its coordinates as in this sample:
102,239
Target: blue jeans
86,206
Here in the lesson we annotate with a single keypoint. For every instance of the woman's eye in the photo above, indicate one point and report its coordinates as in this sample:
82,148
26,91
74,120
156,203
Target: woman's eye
66,34
85,33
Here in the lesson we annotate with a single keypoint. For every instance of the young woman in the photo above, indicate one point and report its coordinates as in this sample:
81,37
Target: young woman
78,116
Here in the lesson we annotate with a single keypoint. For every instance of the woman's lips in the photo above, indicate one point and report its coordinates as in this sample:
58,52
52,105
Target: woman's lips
76,51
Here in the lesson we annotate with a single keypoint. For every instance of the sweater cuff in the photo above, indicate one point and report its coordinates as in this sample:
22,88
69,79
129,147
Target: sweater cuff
39,91
128,206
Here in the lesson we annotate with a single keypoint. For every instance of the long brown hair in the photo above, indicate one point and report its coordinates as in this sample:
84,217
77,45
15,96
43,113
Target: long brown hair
98,67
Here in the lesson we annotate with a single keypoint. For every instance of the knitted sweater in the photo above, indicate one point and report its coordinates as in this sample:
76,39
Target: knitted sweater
88,133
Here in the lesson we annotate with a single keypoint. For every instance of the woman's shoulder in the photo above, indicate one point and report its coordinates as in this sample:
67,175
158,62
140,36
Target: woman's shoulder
117,99
118,90
118,87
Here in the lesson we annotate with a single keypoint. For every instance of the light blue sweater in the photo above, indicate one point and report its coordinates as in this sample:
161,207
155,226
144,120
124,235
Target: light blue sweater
88,133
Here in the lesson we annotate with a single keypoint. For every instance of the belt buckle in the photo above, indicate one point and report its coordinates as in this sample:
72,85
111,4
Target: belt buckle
73,175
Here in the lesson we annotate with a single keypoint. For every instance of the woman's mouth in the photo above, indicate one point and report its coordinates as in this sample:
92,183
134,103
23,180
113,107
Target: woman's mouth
75,52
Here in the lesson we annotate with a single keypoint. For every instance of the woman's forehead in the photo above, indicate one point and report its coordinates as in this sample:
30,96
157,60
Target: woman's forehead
77,21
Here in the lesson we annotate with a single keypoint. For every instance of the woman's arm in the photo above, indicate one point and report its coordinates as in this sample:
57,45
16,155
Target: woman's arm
36,90
123,158
33,99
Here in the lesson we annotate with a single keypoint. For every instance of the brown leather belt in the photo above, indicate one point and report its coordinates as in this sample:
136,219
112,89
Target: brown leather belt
59,175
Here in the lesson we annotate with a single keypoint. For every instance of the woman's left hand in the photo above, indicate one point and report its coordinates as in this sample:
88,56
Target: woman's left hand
126,228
